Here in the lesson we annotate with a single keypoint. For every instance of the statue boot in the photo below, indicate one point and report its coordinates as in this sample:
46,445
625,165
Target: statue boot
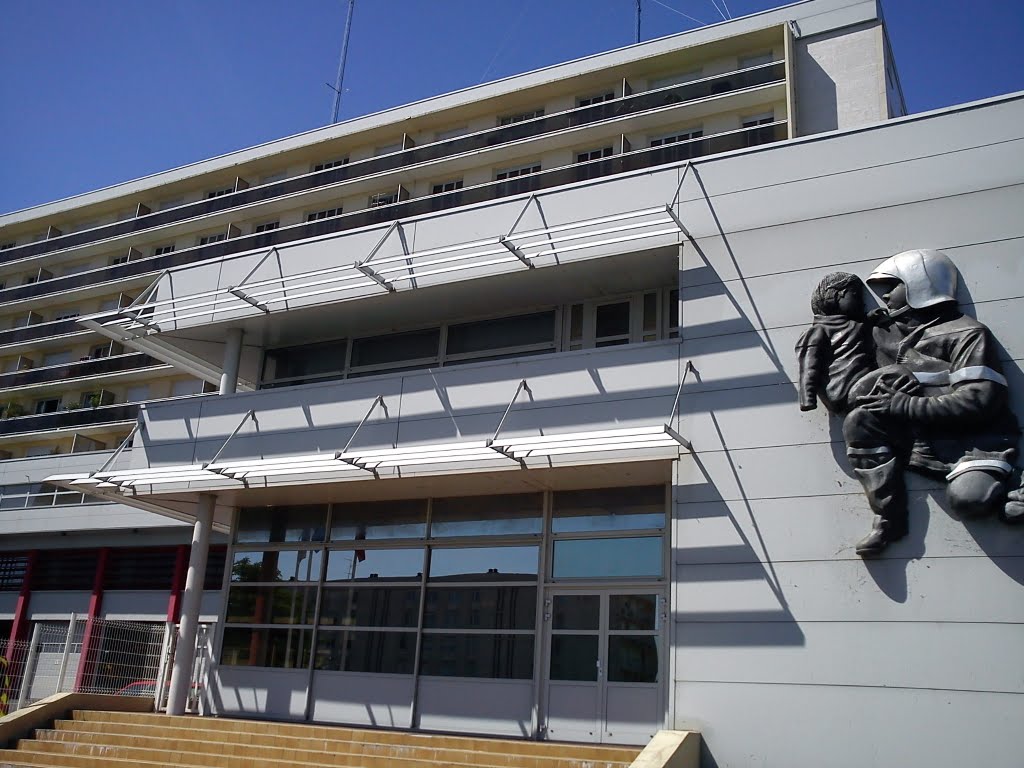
886,493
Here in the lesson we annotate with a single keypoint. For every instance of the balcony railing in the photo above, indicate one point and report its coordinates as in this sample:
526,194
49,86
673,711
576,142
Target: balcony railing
39,331
627,105
635,160
80,417
77,370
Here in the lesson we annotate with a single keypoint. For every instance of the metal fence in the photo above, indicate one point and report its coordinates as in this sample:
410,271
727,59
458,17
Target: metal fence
94,656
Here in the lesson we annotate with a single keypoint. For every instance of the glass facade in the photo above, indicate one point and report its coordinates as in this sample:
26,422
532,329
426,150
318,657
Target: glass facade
443,587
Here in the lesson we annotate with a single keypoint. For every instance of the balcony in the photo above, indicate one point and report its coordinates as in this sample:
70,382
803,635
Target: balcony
38,331
109,415
647,101
79,370
630,161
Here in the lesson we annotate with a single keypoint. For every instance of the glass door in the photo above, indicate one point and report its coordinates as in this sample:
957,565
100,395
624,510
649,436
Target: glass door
605,667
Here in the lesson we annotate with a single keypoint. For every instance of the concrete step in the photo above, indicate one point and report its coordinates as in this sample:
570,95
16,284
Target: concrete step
354,740
318,752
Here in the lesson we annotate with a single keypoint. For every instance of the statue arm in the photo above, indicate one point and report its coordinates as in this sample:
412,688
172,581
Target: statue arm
812,350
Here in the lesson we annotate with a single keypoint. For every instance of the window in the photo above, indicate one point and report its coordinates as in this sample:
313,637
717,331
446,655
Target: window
115,260
382,199
302,364
327,213
754,135
521,116
266,226
330,164
207,239
612,324
47,406
593,154
501,337
511,173
396,350
589,100
219,192
160,250
446,186
7,246
678,136
66,314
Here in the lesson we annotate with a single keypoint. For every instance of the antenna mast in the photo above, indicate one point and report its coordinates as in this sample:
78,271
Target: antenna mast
638,21
341,62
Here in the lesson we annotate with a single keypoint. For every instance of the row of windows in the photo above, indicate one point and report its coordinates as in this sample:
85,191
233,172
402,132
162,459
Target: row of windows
360,587
126,568
648,316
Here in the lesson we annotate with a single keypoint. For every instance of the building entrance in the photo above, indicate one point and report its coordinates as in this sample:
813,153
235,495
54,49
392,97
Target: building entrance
604,668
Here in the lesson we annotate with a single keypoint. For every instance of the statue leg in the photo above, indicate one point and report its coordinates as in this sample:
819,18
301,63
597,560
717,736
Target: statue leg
879,467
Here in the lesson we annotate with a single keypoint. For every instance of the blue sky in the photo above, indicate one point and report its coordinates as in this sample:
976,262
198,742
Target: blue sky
95,92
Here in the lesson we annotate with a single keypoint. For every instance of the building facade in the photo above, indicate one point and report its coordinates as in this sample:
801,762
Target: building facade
501,430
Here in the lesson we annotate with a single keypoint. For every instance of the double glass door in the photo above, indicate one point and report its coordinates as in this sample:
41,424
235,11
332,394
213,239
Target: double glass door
605,665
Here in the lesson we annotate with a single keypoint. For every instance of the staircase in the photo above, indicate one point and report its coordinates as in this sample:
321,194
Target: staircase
126,739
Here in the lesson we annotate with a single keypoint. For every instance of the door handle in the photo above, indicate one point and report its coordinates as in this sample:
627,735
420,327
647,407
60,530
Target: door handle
599,669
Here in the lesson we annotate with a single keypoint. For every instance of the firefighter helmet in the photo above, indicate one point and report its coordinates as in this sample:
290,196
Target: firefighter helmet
930,277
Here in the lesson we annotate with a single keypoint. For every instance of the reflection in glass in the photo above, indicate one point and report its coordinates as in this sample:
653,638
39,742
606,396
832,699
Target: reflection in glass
484,564
357,651
575,612
286,565
609,509
375,564
379,520
271,605
606,558
451,607
282,648
274,524
632,659
573,657
633,611
491,656
370,606
487,515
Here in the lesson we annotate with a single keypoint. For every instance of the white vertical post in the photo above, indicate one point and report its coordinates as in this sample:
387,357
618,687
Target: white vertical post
232,357
29,670
184,651
67,652
165,666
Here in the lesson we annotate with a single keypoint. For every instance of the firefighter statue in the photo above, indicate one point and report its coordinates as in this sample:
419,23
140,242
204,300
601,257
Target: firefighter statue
935,402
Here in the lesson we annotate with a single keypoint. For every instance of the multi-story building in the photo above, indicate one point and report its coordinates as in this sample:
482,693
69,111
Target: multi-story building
489,400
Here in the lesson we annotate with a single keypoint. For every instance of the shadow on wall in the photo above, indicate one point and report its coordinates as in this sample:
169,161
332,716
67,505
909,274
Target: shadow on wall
818,105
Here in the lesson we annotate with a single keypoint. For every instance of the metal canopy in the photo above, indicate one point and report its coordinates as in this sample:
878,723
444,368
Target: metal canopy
349,462
145,316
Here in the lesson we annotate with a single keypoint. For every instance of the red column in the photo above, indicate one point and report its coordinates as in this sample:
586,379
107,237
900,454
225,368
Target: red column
87,664
19,630
177,583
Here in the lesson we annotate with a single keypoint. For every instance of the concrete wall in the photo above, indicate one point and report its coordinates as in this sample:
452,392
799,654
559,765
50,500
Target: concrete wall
840,79
788,648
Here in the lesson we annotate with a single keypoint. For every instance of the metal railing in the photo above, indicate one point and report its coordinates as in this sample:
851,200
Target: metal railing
78,369
92,656
628,105
80,417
